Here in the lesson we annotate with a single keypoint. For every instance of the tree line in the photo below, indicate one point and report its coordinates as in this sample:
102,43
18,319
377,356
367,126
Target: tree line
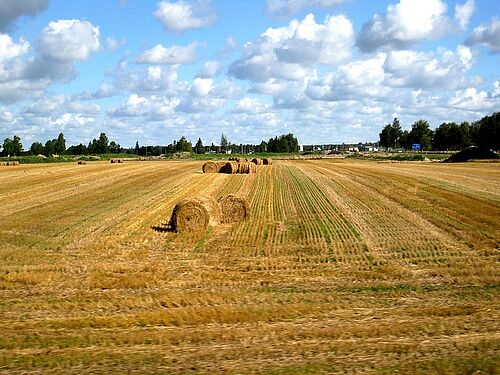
57,146
285,143
448,136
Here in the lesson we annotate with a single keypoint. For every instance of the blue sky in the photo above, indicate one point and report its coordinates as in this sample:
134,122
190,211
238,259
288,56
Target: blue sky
329,71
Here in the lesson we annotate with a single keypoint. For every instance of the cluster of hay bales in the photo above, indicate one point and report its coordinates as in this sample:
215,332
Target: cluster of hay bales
235,166
81,162
113,161
198,213
9,163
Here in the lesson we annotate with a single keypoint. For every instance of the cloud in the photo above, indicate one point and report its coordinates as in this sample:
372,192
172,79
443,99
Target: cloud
471,99
487,35
428,70
291,52
114,44
171,55
209,70
10,10
182,15
410,21
69,40
353,81
249,105
286,8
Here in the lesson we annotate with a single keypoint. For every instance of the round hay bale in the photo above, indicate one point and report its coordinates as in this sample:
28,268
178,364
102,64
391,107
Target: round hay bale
82,162
210,167
112,161
257,161
267,161
195,214
233,209
231,167
253,168
244,167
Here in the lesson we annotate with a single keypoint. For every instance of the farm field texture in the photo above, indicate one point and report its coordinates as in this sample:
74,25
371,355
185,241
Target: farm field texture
342,266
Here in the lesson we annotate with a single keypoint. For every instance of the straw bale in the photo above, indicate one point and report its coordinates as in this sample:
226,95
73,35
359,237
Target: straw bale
210,167
233,209
195,214
231,167
267,161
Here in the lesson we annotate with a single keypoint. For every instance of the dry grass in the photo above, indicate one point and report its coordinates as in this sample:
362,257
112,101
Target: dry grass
341,266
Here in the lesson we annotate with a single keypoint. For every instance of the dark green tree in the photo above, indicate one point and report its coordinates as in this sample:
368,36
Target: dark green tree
102,144
12,147
421,133
488,132
114,148
60,144
37,149
50,147
224,144
199,149
183,145
391,134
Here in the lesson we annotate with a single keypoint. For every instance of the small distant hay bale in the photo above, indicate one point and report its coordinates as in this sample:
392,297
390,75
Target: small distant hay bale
233,209
210,167
2,163
257,161
231,167
267,161
120,160
195,214
112,161
82,162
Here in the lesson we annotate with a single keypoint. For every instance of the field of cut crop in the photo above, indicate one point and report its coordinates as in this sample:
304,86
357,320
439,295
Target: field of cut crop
342,266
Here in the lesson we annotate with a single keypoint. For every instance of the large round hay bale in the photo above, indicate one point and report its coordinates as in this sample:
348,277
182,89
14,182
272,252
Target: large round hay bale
195,214
210,167
233,209
247,167
257,161
267,161
231,167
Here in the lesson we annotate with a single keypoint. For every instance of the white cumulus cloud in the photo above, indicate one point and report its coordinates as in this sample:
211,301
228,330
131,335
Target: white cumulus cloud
69,40
169,55
183,15
12,9
487,35
411,21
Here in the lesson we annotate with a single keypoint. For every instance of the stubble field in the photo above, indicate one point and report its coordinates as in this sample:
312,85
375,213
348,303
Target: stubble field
342,266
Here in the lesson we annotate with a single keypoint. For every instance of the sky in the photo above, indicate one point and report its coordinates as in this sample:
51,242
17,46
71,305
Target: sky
328,71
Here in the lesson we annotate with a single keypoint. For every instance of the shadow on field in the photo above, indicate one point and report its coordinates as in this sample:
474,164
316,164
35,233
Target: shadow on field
163,228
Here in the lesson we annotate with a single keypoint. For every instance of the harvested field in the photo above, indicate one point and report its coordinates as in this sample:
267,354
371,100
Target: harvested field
341,266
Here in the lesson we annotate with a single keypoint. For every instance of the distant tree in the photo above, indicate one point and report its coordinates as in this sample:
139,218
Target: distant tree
488,132
136,149
284,143
12,147
80,149
448,136
213,148
421,133
224,144
391,135
114,148
102,144
50,147
183,145
37,148
199,149
60,144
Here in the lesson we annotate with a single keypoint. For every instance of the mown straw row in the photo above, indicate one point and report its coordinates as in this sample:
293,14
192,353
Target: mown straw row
198,213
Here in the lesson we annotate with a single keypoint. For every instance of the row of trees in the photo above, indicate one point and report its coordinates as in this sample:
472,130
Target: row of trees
57,146
448,136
